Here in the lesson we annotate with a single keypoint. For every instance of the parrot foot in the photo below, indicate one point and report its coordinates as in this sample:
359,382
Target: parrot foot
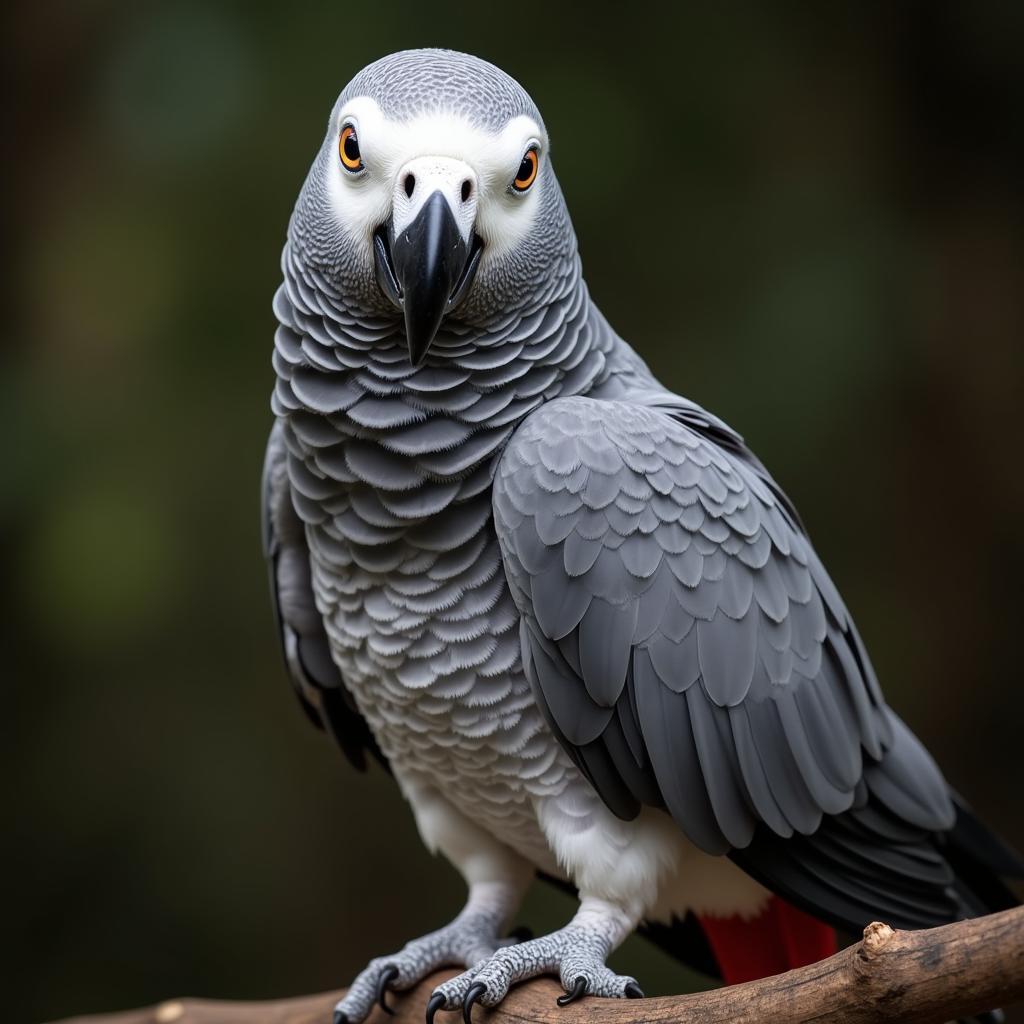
470,939
575,953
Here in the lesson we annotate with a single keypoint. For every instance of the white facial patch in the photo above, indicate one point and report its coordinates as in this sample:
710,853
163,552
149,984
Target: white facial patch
446,150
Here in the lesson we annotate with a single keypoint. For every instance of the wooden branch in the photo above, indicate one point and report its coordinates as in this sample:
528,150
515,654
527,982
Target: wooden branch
925,977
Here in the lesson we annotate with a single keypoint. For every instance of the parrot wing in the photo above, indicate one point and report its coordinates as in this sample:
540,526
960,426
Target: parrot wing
314,674
690,652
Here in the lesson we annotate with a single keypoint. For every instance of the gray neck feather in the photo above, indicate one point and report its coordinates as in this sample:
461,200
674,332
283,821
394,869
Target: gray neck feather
378,447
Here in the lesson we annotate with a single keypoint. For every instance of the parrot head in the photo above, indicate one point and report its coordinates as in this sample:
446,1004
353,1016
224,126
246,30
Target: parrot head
433,197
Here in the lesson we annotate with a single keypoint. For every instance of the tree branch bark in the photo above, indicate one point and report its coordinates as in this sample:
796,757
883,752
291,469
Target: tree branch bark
925,977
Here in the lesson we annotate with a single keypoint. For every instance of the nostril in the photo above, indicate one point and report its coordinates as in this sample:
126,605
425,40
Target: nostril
467,190
410,184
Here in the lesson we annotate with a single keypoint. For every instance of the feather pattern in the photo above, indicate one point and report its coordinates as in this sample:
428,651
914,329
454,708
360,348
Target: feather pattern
530,579
740,664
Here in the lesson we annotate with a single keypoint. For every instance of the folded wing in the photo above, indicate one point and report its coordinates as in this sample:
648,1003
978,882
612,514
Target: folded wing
315,676
690,652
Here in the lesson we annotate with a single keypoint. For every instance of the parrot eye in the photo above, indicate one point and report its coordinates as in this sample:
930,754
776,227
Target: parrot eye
527,172
348,148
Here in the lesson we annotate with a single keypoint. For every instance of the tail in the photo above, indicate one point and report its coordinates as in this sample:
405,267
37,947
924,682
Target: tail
981,861
777,940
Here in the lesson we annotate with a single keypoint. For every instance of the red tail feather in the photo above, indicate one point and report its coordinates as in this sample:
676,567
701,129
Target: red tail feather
778,939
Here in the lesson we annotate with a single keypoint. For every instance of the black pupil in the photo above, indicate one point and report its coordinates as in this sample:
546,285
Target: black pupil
352,148
525,169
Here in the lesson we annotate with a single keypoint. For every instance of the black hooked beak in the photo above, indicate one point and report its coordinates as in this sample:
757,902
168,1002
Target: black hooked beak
426,271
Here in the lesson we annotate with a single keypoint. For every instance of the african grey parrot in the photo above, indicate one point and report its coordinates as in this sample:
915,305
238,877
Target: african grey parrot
568,609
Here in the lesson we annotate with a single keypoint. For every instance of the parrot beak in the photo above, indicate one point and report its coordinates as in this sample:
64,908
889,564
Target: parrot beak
426,271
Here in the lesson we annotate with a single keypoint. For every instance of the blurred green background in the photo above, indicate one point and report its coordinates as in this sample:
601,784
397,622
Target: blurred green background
808,217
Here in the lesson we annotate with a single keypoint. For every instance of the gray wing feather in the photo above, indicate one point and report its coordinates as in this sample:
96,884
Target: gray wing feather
304,644
681,635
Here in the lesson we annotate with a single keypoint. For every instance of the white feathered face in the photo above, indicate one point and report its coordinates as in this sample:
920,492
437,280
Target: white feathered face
490,181
431,202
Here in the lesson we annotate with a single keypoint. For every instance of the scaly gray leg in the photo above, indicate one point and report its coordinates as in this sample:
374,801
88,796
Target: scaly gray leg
468,940
576,953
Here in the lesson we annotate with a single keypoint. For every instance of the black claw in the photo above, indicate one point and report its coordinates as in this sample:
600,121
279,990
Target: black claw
340,1017
386,977
633,991
579,988
476,990
437,1002
521,933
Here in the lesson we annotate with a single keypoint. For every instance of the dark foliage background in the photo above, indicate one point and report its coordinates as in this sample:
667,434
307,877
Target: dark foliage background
809,218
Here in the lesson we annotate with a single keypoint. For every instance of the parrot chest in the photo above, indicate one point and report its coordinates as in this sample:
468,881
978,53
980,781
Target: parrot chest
430,651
